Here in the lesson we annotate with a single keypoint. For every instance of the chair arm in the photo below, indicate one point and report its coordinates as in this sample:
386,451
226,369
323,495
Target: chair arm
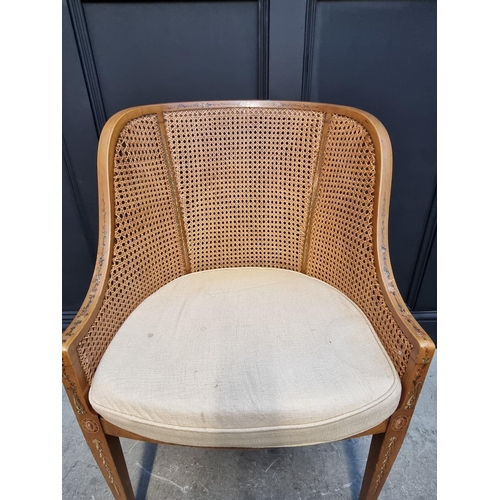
74,378
423,347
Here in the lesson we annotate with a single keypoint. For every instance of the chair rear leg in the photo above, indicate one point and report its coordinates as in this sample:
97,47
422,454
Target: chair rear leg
384,449
109,456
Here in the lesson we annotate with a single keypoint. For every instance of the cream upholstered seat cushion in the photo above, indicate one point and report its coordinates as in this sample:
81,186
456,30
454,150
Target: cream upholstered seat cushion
246,357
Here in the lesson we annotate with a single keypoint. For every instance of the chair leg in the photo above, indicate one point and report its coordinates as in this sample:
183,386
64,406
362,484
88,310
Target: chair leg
106,449
384,449
109,456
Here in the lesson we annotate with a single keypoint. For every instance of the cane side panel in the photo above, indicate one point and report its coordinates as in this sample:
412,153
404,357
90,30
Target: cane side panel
244,177
341,249
147,250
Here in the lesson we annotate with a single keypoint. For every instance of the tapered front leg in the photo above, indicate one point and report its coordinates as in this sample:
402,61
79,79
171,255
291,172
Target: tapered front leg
384,449
107,450
109,456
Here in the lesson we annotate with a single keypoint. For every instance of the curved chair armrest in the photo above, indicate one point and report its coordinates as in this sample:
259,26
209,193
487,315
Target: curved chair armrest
74,378
423,347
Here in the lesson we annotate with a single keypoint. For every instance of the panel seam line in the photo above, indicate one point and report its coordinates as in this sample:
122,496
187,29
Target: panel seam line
175,192
314,190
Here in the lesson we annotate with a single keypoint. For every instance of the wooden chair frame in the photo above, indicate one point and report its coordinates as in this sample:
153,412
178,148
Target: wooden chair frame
103,437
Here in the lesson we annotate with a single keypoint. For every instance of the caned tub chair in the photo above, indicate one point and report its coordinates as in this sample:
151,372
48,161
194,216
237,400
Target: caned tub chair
243,295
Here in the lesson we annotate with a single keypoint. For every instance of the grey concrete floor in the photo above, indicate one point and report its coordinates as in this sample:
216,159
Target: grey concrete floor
325,471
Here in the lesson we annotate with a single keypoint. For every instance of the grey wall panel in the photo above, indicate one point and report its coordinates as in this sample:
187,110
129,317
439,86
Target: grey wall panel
78,126
78,262
149,53
286,49
84,46
380,56
424,254
427,295
79,203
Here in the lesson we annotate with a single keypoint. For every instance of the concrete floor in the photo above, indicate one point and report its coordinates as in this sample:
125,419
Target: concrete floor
325,471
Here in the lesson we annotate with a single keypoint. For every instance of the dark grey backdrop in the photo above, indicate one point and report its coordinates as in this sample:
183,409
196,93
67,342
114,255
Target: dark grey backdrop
379,56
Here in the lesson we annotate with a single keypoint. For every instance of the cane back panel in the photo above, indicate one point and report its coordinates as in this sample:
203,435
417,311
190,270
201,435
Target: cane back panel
245,180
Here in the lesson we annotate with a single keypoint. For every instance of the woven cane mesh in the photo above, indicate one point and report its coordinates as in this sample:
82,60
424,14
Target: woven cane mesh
341,250
147,249
244,179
